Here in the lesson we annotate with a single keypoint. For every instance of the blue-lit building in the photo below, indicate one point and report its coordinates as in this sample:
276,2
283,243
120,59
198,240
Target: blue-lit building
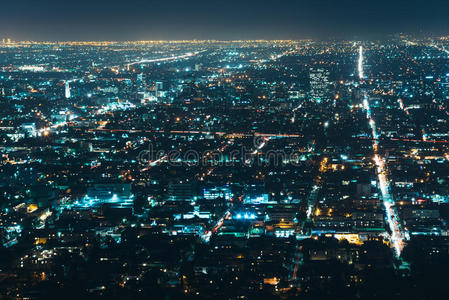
255,194
211,193
108,196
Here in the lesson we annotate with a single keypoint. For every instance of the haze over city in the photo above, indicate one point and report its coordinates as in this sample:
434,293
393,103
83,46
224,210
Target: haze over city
218,20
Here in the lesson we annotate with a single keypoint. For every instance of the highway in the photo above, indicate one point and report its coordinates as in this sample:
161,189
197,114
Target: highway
442,49
188,132
392,218
163,59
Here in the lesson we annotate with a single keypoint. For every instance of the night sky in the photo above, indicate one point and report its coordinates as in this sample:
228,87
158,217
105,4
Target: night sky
231,19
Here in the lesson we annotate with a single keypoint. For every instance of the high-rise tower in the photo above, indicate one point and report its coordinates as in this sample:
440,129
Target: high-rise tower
319,84
67,89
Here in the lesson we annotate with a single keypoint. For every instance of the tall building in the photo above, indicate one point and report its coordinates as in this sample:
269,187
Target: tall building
67,90
319,84
159,87
140,81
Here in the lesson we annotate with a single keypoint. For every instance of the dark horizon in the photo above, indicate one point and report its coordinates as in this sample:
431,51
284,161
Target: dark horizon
52,20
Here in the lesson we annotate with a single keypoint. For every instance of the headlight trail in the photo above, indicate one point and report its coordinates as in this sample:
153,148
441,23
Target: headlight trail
392,217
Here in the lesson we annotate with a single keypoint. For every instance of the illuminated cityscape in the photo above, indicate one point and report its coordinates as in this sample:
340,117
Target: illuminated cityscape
235,169
288,165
